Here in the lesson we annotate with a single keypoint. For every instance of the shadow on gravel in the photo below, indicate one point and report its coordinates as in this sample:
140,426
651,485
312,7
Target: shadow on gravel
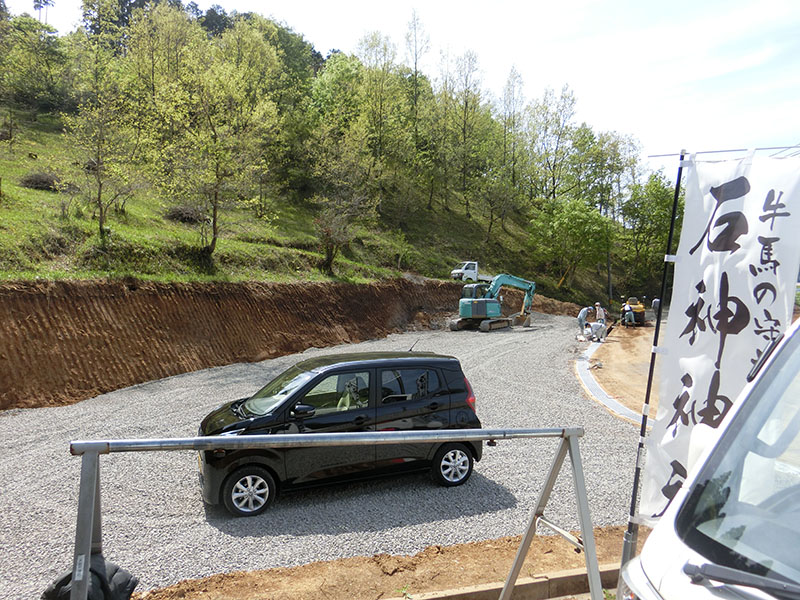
366,506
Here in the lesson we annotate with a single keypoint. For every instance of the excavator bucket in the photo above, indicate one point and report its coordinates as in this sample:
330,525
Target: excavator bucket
521,319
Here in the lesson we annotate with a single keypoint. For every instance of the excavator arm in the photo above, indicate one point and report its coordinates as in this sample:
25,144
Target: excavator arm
529,287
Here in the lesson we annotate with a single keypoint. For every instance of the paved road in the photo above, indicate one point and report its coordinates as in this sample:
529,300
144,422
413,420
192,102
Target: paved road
155,523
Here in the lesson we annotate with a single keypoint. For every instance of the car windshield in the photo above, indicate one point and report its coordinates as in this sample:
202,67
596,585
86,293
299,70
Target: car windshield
276,391
744,509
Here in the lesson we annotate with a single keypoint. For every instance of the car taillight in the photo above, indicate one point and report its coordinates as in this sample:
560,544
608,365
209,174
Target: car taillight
470,395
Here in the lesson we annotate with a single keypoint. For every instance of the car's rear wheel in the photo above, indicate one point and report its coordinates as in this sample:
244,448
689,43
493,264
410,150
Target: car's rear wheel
452,465
248,491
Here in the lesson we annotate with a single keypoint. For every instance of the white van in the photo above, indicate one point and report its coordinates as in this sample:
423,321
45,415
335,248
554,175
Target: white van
733,530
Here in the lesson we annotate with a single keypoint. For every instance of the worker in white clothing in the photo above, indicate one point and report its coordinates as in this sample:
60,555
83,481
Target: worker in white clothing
583,316
596,331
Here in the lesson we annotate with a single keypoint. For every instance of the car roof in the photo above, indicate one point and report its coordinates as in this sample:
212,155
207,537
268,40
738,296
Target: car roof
372,359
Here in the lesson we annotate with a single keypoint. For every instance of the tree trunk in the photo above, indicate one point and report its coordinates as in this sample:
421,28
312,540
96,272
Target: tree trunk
326,266
101,213
489,229
214,224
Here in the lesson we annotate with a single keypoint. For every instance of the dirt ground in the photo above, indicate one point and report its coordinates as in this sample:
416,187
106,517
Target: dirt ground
436,568
622,364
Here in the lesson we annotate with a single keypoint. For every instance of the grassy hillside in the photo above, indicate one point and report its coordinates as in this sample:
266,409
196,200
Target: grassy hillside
53,235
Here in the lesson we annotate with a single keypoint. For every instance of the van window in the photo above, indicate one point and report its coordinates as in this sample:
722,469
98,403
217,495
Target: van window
408,384
744,510
342,391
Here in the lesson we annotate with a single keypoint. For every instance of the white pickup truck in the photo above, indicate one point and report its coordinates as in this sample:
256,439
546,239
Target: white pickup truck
468,271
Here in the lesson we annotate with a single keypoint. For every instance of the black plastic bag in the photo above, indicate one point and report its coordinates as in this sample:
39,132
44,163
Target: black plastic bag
107,581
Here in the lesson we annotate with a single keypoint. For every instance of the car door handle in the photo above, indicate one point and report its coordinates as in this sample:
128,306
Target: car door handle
433,406
360,420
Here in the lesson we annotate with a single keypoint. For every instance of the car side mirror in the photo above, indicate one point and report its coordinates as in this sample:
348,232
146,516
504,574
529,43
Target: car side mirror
302,411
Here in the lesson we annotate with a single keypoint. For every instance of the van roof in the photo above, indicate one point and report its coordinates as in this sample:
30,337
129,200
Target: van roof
371,359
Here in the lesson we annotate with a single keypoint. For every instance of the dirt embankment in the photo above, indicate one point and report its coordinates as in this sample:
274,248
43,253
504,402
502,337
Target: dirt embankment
435,569
61,342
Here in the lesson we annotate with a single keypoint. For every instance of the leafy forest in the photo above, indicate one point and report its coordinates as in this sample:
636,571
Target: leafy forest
161,142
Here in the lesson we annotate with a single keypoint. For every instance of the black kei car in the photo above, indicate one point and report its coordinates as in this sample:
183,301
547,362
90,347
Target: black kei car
381,391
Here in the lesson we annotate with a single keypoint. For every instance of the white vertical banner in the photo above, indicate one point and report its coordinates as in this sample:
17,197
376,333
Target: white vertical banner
734,288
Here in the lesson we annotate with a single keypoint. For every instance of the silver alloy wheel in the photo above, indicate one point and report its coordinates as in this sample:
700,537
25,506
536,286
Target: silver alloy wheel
250,493
454,465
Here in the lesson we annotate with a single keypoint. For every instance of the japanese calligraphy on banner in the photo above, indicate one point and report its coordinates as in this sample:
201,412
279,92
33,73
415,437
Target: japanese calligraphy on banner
734,288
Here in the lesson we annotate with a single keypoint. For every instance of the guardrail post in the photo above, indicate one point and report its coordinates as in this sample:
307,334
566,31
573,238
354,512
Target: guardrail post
88,532
569,443
592,567
525,544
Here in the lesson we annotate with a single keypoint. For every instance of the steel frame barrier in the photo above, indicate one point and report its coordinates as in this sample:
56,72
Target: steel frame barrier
88,533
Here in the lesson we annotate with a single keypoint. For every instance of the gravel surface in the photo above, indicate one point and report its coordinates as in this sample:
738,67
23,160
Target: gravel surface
156,525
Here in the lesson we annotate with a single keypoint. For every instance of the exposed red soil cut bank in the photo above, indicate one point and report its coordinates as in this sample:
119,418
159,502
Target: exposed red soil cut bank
61,342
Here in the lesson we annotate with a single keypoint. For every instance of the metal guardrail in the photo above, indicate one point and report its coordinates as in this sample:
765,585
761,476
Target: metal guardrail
88,534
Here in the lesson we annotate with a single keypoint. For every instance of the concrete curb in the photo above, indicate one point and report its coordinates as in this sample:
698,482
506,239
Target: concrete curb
552,585
598,393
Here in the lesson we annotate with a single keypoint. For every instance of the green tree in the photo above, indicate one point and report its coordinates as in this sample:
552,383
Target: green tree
441,135
289,87
511,118
417,45
466,116
549,132
646,217
342,157
336,94
99,135
38,5
377,54
347,201
216,20
218,116
603,167
32,65
569,235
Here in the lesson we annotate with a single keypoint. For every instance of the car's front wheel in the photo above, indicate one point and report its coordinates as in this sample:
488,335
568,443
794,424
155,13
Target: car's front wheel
452,465
248,491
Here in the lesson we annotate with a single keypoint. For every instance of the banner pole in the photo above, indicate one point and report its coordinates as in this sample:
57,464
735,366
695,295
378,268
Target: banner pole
631,535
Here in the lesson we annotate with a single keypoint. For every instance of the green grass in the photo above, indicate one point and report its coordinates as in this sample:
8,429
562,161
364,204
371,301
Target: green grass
44,235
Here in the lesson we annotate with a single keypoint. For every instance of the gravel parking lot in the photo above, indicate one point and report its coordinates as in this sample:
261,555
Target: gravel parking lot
156,525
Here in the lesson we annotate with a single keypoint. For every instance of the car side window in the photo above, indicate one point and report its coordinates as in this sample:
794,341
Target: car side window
399,385
339,392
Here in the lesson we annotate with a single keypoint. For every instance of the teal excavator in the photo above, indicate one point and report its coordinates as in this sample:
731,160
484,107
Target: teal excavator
480,304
